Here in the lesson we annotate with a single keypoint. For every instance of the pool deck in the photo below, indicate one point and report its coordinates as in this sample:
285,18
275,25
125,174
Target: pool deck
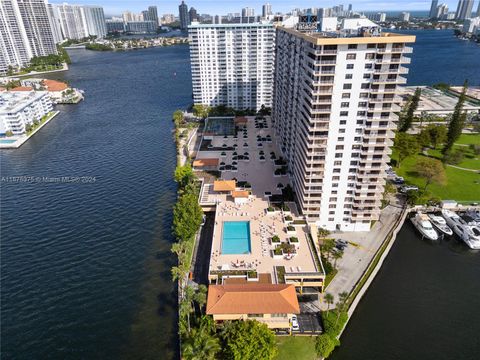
263,225
22,139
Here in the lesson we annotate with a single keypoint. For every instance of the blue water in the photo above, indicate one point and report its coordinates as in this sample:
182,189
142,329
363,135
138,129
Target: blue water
236,237
85,266
438,56
7,141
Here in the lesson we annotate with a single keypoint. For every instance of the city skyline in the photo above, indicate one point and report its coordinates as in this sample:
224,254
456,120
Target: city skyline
116,7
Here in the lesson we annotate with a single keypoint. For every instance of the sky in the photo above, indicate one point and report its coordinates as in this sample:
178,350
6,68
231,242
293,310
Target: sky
221,7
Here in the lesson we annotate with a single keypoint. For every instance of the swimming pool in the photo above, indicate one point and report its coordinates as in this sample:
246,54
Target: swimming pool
236,237
7,141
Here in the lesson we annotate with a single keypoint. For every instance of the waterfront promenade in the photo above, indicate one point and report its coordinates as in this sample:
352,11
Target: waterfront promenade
361,251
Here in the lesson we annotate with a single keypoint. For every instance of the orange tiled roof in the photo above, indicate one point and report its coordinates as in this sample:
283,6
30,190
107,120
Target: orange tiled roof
54,85
252,299
22,88
224,185
240,194
205,162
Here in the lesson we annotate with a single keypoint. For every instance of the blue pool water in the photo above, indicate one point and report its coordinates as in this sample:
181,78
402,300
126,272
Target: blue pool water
236,237
6,141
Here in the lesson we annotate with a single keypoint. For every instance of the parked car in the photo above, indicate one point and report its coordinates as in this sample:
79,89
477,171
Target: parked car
295,326
343,242
399,180
406,188
340,247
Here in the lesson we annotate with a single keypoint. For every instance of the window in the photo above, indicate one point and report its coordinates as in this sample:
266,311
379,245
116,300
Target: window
368,66
338,155
339,147
343,113
362,104
341,131
347,86
340,139
345,104
365,86
351,56
349,66
359,122
332,206
332,212
348,76
337,163
346,96
352,46
333,198
366,76
343,122
361,113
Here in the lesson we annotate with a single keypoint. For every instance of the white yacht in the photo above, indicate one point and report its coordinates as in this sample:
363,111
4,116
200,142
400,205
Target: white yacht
440,224
469,234
423,225
473,216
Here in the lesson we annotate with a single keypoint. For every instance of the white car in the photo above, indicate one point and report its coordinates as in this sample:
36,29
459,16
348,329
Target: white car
295,326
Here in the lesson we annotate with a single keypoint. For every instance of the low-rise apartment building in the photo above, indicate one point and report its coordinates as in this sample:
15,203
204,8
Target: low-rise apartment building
20,108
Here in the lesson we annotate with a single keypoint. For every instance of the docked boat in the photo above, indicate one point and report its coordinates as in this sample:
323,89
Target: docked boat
473,216
440,224
423,225
469,234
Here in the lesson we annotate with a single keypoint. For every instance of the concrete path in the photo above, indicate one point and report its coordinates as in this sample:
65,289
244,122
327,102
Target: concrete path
357,258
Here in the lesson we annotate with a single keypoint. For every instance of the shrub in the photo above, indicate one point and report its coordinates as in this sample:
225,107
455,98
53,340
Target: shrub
290,228
294,239
8,133
454,157
325,344
270,209
275,239
288,218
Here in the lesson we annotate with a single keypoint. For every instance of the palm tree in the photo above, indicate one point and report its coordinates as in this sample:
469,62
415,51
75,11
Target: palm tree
336,256
200,296
201,344
341,304
329,299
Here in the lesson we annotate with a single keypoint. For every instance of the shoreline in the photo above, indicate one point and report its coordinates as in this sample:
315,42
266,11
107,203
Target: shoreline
22,140
34,73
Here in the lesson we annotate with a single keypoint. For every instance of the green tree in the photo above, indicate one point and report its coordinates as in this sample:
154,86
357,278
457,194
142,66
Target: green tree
187,216
200,296
405,145
324,345
424,139
327,247
431,170
406,121
201,111
337,255
178,117
201,343
437,134
454,157
341,305
329,300
457,122
183,175
248,340
323,233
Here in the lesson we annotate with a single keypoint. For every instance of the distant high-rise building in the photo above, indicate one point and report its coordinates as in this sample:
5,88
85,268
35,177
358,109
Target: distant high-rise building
380,17
183,15
141,27
192,13
248,12
217,19
478,9
350,7
115,26
94,20
153,14
55,22
464,9
246,80
168,18
433,9
333,112
325,12
128,16
405,16
442,11
266,10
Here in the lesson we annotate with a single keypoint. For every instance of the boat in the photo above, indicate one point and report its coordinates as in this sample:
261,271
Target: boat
423,225
469,234
473,216
440,224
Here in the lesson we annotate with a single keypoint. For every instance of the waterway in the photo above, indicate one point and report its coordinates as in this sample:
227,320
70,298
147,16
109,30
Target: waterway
423,304
85,259
85,262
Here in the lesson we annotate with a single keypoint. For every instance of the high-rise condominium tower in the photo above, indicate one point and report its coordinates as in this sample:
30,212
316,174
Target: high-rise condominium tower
25,32
183,15
266,10
232,64
333,112
433,9
464,9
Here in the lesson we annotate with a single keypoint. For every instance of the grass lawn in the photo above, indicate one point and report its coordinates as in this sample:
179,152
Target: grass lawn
469,139
461,185
470,161
296,347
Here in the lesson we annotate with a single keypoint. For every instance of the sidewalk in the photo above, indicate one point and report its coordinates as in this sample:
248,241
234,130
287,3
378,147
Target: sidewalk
357,258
